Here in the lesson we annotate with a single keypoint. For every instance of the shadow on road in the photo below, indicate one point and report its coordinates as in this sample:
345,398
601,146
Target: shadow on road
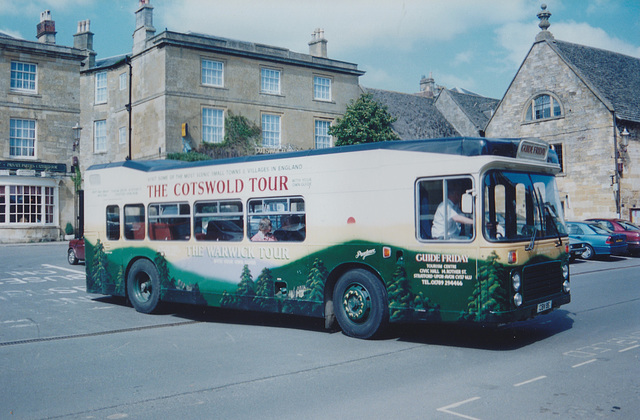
504,338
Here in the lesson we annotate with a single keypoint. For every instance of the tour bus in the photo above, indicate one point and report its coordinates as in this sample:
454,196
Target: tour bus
441,230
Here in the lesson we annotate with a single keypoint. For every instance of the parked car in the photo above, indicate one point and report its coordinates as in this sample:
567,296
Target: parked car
631,231
576,248
75,253
599,240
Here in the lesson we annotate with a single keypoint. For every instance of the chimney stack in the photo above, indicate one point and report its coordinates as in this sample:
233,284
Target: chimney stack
144,26
318,44
427,86
46,28
83,40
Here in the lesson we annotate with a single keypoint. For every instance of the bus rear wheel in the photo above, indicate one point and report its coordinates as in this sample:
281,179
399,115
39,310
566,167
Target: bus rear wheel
361,306
143,286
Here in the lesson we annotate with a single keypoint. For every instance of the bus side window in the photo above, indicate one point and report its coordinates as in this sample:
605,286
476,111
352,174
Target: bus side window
134,221
438,209
169,222
113,223
286,214
218,220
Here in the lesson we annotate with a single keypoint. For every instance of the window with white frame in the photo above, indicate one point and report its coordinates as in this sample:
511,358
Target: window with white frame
271,130
212,125
22,138
23,76
321,88
270,81
101,88
558,149
29,204
543,107
100,136
123,81
122,135
212,73
321,135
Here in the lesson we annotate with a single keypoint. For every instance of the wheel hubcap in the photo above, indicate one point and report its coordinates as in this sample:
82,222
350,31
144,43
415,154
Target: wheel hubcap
144,289
357,303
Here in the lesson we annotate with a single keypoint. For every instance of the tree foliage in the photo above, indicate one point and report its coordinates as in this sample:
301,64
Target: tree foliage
365,121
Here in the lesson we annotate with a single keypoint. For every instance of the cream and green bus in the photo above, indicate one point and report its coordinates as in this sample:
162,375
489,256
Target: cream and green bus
443,230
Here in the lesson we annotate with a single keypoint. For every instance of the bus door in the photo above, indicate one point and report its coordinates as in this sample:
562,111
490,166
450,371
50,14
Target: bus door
443,271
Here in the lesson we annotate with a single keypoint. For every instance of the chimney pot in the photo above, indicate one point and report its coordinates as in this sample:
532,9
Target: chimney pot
46,29
318,44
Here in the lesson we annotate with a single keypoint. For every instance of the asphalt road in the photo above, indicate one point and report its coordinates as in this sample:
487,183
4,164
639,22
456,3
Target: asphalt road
67,354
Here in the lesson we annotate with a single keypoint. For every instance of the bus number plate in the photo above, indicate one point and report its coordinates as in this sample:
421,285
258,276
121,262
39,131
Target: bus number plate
544,306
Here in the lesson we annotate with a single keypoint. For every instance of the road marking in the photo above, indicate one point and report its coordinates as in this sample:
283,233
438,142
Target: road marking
531,380
584,363
456,405
63,268
629,348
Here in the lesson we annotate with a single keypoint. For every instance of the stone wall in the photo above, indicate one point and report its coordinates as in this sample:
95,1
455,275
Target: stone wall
585,131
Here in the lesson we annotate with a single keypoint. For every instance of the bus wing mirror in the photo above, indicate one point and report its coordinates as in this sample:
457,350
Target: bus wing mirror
467,202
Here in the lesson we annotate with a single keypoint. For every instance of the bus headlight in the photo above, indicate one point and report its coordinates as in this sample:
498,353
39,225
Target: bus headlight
566,286
516,281
517,299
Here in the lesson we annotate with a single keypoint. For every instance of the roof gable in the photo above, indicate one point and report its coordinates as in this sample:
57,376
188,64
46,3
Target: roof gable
614,77
417,116
478,108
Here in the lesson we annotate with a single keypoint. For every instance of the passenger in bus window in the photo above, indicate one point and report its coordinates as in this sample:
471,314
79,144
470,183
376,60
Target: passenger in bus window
455,217
264,232
292,229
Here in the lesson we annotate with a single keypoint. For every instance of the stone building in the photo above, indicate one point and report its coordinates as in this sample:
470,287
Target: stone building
436,111
467,112
174,90
586,103
39,108
417,116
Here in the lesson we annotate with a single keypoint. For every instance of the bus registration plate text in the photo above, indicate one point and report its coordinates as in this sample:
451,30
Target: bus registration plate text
544,306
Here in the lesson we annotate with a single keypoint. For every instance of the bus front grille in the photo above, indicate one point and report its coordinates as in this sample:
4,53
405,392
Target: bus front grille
541,280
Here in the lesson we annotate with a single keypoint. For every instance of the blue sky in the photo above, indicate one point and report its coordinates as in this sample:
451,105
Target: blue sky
473,44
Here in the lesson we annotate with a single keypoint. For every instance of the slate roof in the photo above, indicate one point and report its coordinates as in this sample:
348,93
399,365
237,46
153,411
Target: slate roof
107,62
478,108
614,77
417,116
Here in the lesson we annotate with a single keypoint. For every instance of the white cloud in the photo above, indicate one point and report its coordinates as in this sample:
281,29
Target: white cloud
12,33
464,57
34,7
585,34
348,24
516,39
376,77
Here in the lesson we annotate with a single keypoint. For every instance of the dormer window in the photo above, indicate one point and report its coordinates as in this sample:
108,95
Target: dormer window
543,107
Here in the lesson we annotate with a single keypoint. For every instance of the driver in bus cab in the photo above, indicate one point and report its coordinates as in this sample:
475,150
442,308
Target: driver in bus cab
264,232
455,217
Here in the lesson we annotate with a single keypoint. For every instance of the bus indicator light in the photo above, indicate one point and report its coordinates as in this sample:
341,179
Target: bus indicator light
386,252
513,257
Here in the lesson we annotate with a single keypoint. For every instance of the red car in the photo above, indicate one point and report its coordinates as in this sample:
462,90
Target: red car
75,253
631,231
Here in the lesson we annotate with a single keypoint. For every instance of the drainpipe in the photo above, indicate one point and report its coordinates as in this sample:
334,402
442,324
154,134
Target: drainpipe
127,61
616,156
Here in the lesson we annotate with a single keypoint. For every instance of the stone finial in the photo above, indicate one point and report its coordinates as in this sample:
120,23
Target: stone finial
544,24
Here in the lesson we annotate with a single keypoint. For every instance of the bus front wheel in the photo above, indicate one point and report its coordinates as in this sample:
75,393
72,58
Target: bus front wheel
360,302
143,286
